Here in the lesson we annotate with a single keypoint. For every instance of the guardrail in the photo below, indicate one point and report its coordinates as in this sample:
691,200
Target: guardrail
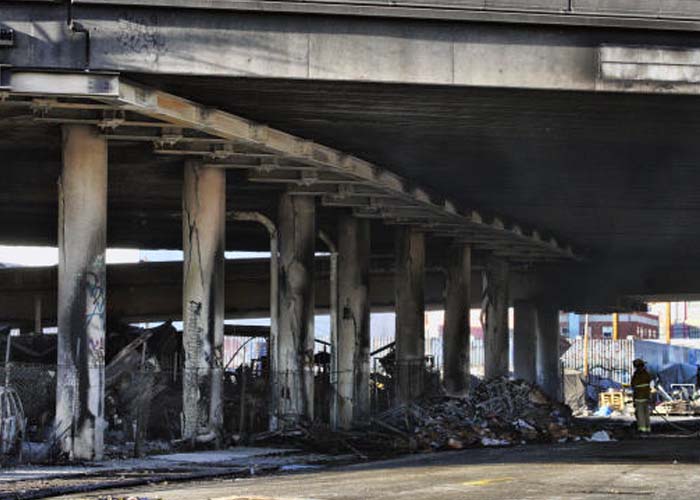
657,10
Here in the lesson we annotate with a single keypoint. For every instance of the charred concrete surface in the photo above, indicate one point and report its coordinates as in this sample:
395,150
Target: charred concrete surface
494,312
204,223
456,333
295,350
548,365
525,341
410,313
82,290
353,325
34,482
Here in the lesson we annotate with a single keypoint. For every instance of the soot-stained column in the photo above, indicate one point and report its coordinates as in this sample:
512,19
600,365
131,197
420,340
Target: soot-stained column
204,227
496,319
410,314
295,349
548,365
456,334
82,235
525,341
353,332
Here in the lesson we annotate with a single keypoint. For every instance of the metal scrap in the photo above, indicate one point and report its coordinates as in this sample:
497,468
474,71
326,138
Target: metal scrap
494,413
499,411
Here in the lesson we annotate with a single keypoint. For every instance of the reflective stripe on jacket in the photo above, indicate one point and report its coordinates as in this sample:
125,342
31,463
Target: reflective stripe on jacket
641,381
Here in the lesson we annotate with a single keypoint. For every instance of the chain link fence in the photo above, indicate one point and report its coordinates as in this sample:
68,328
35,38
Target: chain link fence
36,387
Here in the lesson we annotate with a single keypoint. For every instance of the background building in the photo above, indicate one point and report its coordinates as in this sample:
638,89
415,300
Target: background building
639,325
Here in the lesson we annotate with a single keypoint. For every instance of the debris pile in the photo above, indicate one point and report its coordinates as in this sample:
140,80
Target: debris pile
498,412
495,413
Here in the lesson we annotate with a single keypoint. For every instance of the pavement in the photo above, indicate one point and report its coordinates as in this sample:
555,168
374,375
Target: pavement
659,467
29,482
186,461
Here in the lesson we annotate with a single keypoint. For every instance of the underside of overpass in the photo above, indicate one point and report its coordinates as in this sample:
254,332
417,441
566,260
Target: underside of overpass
535,164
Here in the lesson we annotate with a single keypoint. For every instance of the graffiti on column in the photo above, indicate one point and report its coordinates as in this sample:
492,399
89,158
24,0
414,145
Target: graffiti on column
196,415
96,300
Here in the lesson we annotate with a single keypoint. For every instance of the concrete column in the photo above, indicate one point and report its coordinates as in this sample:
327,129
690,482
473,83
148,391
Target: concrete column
334,315
295,379
353,327
525,341
496,319
410,314
203,244
82,235
37,315
456,334
548,366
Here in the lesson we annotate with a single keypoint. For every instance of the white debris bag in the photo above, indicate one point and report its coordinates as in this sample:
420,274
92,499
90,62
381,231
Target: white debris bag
487,441
600,437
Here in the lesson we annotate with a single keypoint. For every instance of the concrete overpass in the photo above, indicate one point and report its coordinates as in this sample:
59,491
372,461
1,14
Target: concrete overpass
549,145
153,291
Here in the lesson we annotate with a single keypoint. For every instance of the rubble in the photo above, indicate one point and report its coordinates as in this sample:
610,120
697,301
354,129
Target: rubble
498,412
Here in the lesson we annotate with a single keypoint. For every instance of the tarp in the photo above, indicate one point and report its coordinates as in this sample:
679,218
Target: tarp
677,373
597,384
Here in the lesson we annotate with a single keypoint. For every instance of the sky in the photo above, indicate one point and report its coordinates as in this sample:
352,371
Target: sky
48,256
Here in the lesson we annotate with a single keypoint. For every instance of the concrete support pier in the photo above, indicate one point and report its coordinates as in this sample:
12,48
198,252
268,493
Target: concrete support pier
525,341
548,365
410,314
203,226
496,319
295,350
456,335
353,332
82,237
38,325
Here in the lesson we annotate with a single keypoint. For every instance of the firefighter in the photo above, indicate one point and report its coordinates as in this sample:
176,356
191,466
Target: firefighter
641,387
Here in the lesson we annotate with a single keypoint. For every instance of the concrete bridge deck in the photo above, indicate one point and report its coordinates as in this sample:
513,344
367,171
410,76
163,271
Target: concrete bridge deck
560,148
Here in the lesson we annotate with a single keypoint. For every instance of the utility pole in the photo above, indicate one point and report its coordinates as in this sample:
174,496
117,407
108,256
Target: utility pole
668,322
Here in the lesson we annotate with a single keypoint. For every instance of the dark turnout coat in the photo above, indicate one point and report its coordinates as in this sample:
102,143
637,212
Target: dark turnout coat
641,384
